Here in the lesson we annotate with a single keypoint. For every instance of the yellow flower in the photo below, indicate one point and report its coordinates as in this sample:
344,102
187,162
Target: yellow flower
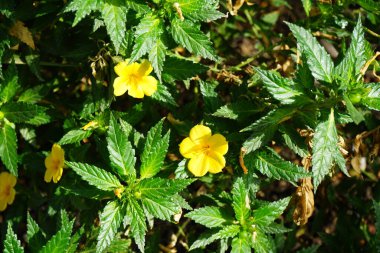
7,191
204,150
54,164
135,79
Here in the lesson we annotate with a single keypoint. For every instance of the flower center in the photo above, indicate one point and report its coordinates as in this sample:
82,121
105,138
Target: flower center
205,149
7,190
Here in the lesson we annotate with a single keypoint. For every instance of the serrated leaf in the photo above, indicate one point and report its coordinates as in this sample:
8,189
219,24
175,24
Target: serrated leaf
240,201
162,188
241,244
326,150
59,242
307,4
318,60
210,96
163,96
198,10
274,228
95,176
356,116
372,100
74,136
162,208
181,69
122,155
157,56
355,57
294,141
273,166
114,14
266,214
281,88
209,216
110,220
263,243
82,8
147,33
34,234
33,95
154,152
207,238
10,85
8,147
137,223
190,36
138,5
236,111
21,112
11,243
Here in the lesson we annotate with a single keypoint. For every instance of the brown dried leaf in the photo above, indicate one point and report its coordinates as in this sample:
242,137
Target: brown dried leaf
304,199
20,31
233,8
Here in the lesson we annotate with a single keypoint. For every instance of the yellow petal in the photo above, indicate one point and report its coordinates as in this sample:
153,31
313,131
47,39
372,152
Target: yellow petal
11,197
218,144
57,175
200,133
145,68
196,165
148,84
3,178
216,162
12,180
188,148
57,152
122,68
48,175
49,162
136,91
3,205
120,86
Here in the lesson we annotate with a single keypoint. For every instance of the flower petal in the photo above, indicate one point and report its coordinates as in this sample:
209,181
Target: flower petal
11,196
48,175
148,84
145,68
199,133
122,68
218,144
3,205
216,162
12,180
197,165
120,86
188,148
57,175
135,91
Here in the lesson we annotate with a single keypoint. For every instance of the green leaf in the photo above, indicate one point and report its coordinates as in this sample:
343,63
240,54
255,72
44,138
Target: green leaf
241,244
198,10
74,136
162,188
138,5
370,5
372,100
11,243
266,214
59,242
114,14
34,234
95,176
294,141
355,57
122,155
265,127
8,147
281,88
110,220
137,223
154,152
82,8
209,216
326,150
236,111
182,69
33,95
263,243
240,201
307,4
356,116
210,96
10,85
207,238
163,96
162,208
21,112
147,33
274,228
319,61
189,35
273,166
157,56
376,206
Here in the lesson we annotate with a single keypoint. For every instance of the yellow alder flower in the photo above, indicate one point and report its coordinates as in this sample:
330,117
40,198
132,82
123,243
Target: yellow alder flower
54,164
204,150
7,191
135,79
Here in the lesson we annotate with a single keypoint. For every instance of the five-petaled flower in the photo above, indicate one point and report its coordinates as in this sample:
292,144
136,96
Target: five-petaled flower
135,79
204,150
7,191
54,164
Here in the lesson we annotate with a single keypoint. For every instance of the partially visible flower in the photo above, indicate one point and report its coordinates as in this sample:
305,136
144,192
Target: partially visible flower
7,191
204,150
135,79
54,164
118,192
